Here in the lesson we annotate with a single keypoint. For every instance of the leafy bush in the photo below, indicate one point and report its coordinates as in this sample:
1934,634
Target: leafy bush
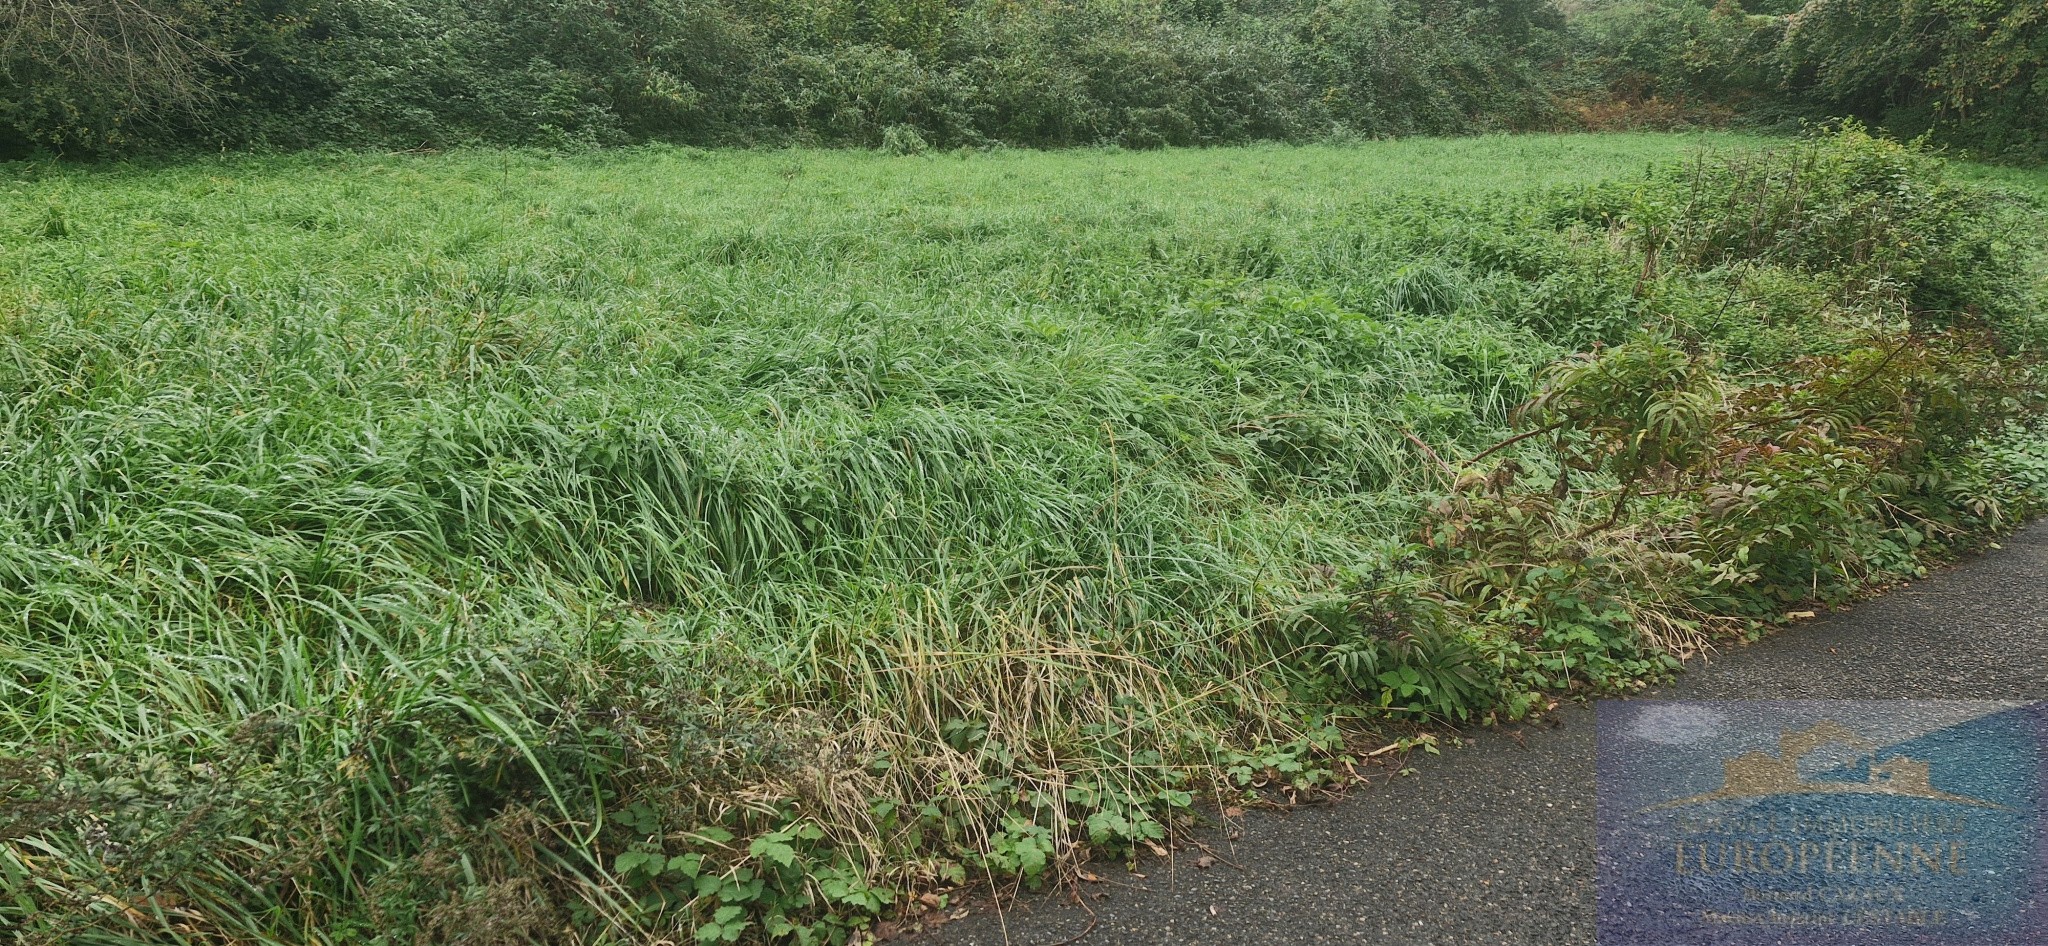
1965,72
1975,72
573,73
1807,474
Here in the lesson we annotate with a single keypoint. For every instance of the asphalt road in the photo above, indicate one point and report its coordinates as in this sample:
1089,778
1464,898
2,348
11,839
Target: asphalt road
1493,844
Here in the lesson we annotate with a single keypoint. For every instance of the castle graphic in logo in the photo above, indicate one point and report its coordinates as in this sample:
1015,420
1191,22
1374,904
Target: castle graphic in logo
1755,774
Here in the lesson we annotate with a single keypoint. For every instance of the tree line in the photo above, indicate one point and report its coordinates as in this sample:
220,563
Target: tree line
90,77
1971,73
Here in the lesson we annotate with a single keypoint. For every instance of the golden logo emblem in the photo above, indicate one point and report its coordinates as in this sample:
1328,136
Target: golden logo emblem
1758,774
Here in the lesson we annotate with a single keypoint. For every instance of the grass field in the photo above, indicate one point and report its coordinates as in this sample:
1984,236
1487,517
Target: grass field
497,546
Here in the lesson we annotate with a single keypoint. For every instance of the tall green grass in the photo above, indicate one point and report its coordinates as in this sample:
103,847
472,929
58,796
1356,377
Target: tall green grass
425,533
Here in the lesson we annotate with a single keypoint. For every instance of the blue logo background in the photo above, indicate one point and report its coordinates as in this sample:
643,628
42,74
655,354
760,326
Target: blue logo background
1824,822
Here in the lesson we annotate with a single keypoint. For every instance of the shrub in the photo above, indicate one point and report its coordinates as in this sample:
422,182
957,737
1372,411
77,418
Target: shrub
574,73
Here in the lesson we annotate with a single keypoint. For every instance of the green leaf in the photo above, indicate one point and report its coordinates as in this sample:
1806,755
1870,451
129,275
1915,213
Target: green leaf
689,865
713,834
1030,859
1105,826
632,860
768,848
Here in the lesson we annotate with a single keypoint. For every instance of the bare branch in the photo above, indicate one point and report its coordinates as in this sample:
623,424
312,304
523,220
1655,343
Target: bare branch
129,50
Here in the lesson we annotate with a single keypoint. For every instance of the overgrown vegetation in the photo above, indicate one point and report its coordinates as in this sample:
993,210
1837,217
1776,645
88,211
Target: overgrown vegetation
109,77
1968,73
486,548
434,73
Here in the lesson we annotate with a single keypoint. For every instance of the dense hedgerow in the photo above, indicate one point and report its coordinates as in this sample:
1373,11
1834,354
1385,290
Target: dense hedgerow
490,549
1969,74
564,73
107,77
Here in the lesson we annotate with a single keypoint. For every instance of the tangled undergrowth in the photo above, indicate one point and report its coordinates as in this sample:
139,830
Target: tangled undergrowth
601,589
